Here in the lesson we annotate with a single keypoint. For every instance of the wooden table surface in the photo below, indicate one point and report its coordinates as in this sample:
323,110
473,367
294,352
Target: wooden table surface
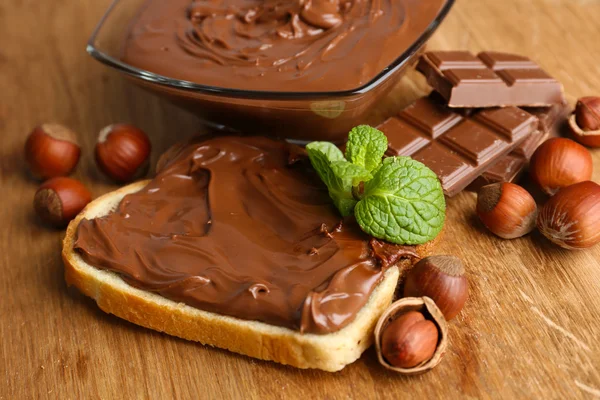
530,328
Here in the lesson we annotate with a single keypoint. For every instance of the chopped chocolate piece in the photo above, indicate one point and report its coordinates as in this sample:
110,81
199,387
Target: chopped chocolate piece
489,80
458,148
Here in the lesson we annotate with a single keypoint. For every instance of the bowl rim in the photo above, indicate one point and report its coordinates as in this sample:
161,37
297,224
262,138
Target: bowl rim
166,81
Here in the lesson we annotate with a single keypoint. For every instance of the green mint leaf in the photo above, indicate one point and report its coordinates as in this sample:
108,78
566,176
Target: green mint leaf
321,155
366,146
329,150
403,203
350,174
338,174
346,175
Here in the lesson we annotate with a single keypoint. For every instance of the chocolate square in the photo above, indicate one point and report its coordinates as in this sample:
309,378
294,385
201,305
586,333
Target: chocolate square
431,117
489,80
402,137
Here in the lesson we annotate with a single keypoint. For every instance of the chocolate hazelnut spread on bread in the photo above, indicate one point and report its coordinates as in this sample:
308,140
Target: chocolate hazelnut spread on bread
242,226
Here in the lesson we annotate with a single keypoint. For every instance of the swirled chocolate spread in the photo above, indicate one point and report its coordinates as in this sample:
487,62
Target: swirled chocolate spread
276,45
242,226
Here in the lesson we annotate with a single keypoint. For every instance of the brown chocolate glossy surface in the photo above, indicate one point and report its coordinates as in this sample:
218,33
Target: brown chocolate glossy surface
276,45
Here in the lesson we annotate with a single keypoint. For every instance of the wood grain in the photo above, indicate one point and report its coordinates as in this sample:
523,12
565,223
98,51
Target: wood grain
530,328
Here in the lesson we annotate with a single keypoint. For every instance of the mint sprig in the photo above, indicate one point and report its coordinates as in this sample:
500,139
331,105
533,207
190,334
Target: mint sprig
401,200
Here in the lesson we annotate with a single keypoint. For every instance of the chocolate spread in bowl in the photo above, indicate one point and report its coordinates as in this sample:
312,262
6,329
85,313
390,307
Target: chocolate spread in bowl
242,226
276,45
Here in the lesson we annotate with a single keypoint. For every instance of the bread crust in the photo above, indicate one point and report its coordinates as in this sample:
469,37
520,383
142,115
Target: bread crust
330,352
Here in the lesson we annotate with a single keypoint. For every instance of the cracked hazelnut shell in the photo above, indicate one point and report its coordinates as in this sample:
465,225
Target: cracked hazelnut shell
409,340
584,124
431,312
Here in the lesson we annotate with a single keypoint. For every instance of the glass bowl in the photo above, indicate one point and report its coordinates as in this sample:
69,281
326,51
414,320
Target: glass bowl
299,116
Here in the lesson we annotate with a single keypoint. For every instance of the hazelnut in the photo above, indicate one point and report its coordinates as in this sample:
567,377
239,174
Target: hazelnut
409,340
585,121
59,200
571,218
558,163
51,150
587,113
506,209
122,152
411,336
442,279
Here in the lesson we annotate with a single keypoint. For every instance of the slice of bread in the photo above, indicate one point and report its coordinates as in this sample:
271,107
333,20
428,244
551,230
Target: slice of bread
330,352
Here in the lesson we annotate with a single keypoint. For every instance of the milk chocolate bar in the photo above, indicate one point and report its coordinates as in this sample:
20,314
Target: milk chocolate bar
510,168
458,148
490,79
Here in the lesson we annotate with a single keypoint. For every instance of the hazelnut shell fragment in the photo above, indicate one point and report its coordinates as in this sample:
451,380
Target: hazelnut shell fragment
427,307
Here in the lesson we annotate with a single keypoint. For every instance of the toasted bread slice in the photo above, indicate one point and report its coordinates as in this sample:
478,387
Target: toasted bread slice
329,352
